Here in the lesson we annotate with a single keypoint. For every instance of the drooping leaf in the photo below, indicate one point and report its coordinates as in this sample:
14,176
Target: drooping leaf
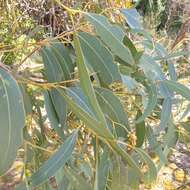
12,117
111,106
119,175
53,164
26,99
59,106
55,59
86,85
82,109
140,131
111,35
161,51
132,18
53,70
165,113
76,181
178,88
127,42
155,146
52,115
151,174
100,58
63,58
152,102
102,171
171,135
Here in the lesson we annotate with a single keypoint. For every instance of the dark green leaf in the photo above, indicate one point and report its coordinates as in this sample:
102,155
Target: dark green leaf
140,131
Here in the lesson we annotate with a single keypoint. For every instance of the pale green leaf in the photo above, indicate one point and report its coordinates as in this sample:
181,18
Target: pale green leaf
111,35
152,102
100,58
12,117
178,88
53,164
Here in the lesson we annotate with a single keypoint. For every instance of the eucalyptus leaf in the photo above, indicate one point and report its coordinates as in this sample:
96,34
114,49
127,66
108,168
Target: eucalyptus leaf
112,36
12,119
100,58
53,164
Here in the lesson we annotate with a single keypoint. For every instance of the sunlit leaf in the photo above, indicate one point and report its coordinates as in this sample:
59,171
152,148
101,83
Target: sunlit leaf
132,18
178,88
100,58
111,35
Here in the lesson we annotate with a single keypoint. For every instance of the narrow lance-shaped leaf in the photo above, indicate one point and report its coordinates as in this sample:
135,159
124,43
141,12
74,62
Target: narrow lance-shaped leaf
100,58
151,174
63,58
82,110
86,85
152,101
140,131
96,127
12,117
111,35
178,88
53,164
112,107
102,171
166,112
132,18
52,114
55,73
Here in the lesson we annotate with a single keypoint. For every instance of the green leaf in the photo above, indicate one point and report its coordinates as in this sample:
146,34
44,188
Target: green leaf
178,88
166,112
63,58
100,58
53,164
111,35
82,110
155,146
59,106
52,115
77,182
152,102
171,135
86,85
151,175
27,99
12,117
132,17
53,70
112,107
102,171
119,175
140,131
128,43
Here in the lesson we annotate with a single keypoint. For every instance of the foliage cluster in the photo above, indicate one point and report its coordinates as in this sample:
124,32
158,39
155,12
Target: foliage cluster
94,111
